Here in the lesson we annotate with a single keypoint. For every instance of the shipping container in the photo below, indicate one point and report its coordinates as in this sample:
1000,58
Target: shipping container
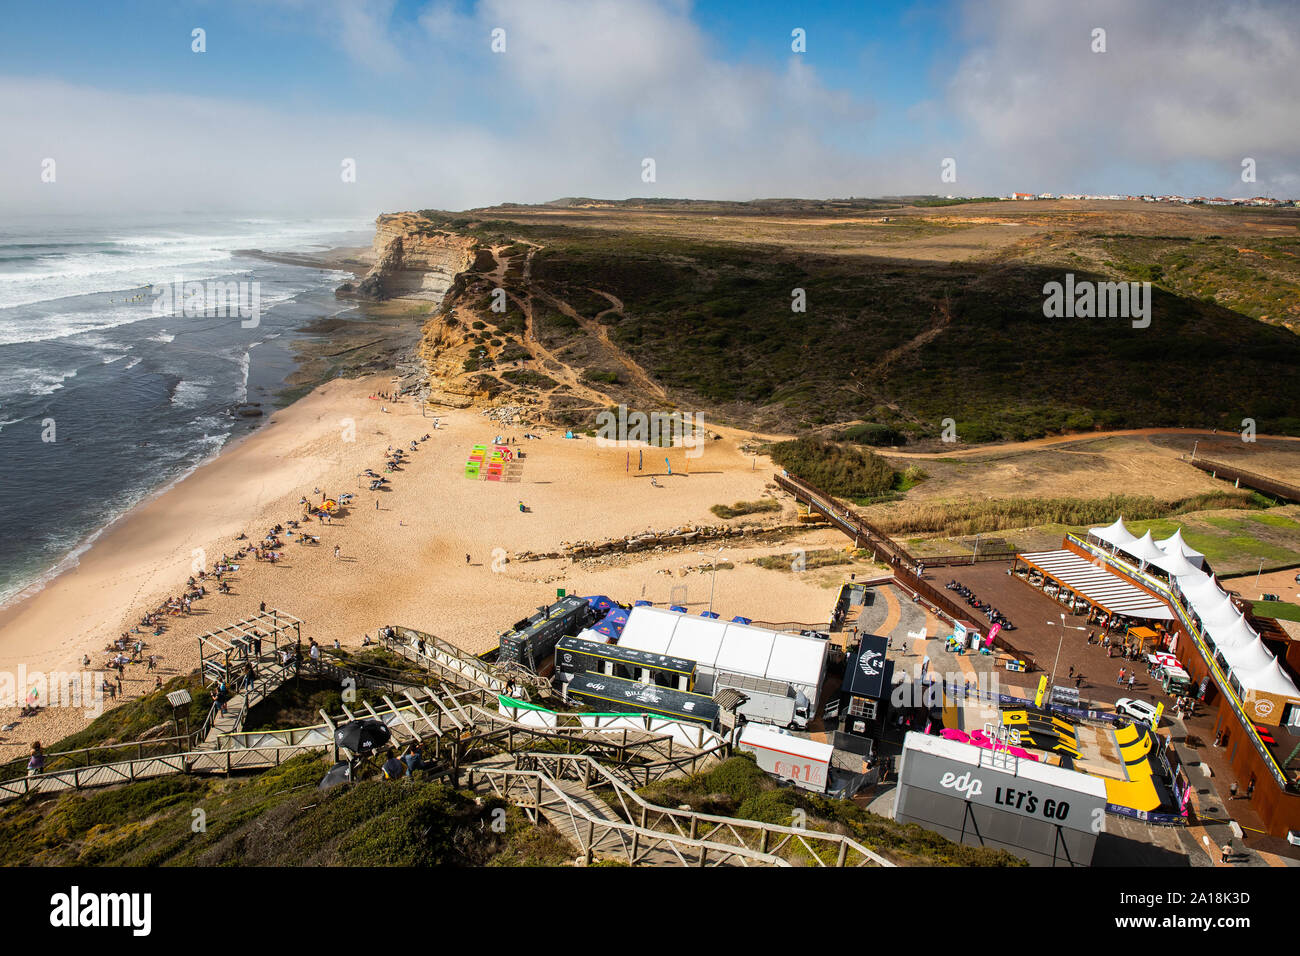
531,641
604,693
577,655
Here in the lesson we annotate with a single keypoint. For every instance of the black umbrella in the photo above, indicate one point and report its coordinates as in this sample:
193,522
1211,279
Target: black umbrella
341,772
362,736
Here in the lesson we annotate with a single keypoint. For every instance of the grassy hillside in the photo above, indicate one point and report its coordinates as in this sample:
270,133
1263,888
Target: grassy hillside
901,331
738,788
277,818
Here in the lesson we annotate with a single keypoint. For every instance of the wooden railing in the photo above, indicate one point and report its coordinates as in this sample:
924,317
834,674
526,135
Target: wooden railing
635,829
1269,486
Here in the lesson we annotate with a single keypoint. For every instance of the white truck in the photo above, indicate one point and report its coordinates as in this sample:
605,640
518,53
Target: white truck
805,763
767,701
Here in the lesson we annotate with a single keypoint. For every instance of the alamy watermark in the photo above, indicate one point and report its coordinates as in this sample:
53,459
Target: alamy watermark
1098,300
623,429
83,689
210,299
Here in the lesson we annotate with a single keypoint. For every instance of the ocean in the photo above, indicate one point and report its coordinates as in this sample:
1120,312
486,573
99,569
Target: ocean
112,387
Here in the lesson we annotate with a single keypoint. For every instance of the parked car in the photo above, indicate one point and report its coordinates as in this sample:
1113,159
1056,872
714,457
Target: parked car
1137,709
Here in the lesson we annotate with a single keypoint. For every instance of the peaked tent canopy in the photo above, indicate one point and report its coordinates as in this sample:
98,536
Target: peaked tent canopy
1235,633
1176,564
1114,534
1248,657
1144,549
1174,544
1271,679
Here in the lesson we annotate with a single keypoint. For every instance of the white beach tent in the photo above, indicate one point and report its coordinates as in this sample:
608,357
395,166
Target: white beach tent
1232,633
650,629
1199,587
1115,534
698,639
1144,549
1270,679
1211,608
1190,583
1247,658
1176,564
1174,544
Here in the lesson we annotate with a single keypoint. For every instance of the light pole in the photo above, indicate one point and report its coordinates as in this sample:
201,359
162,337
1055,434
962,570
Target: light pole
1194,444
1059,644
1259,572
714,580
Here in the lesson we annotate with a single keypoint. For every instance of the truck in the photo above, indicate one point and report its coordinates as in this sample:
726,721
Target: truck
770,709
766,701
1175,680
805,763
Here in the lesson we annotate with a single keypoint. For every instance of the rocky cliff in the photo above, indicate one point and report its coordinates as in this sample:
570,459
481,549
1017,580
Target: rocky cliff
414,259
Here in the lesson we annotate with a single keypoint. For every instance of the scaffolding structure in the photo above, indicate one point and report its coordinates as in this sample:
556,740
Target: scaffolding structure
230,653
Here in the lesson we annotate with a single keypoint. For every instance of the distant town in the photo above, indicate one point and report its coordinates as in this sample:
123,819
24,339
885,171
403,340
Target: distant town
1185,200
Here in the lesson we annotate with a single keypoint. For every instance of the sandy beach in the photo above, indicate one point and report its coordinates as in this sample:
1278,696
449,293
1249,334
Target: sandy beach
403,562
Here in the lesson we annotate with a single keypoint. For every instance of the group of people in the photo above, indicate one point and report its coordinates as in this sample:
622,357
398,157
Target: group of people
988,610
411,760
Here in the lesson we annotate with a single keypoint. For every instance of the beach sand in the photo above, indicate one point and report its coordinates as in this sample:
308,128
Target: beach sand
403,563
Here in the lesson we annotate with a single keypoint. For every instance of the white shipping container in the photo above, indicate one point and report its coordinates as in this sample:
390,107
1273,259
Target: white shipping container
804,762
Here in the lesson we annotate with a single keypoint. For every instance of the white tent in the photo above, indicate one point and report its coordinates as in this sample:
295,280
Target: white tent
1174,544
1114,534
1246,658
1271,679
1212,608
1234,633
1144,549
1199,586
1176,564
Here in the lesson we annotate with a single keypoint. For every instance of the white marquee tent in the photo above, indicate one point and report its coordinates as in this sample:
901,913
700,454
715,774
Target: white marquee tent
1115,534
1270,679
1174,545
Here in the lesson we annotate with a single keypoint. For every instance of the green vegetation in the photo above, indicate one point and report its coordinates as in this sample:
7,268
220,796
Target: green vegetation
967,340
1277,610
277,818
979,517
600,375
846,472
741,508
526,378
145,718
871,433
822,558
738,788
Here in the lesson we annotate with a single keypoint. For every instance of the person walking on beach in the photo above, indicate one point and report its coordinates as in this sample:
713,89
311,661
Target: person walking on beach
336,550
467,559
314,653
1232,790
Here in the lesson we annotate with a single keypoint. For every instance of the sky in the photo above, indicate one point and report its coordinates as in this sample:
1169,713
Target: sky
111,108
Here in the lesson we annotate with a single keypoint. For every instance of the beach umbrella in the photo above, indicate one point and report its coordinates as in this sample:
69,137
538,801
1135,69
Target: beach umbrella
741,620
362,736
341,772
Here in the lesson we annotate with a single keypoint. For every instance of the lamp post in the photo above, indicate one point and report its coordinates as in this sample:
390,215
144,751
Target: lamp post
1059,644
714,579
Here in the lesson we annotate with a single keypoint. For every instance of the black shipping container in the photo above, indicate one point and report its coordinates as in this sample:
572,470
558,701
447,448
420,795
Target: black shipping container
533,639
624,696
576,655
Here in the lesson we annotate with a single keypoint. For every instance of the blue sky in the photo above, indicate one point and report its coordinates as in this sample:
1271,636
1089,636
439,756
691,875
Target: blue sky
288,90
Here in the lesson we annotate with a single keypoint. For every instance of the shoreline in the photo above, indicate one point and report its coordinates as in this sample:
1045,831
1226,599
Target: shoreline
403,551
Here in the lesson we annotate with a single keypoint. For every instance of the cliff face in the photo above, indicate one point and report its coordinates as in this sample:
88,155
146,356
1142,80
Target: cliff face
414,260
